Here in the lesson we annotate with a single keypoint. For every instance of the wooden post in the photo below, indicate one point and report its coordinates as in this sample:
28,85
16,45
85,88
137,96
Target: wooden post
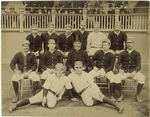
148,30
84,14
21,18
53,15
116,14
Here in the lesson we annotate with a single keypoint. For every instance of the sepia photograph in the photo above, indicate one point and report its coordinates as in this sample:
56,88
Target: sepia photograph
75,58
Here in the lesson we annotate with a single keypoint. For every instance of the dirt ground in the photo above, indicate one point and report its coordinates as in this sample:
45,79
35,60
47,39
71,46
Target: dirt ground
75,109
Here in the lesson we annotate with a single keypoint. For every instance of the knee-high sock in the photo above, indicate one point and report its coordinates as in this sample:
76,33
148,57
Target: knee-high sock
139,88
110,102
35,86
23,103
15,86
43,80
119,87
112,88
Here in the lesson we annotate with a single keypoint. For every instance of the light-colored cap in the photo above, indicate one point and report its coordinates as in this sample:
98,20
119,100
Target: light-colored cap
130,39
34,26
59,66
96,25
51,40
117,23
50,23
83,22
78,63
68,25
106,40
25,42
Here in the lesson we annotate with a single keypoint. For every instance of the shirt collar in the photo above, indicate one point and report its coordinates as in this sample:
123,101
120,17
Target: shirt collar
107,51
53,51
116,32
60,77
81,31
25,53
34,35
129,51
68,35
49,33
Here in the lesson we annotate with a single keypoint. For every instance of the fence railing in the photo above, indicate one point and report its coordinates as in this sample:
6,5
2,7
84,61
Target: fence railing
22,22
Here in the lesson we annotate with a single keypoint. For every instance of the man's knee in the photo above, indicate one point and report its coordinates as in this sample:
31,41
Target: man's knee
15,77
51,105
44,75
34,76
88,102
110,75
140,78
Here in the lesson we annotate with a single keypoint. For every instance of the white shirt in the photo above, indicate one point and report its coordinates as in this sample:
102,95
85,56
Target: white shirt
95,39
79,82
129,51
54,83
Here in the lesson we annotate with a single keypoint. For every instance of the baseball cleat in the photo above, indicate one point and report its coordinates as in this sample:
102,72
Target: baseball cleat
12,108
120,98
138,99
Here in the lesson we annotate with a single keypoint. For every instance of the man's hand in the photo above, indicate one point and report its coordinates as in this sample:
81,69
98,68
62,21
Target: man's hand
36,53
132,74
103,73
121,71
117,51
72,70
17,71
59,98
74,100
44,101
42,51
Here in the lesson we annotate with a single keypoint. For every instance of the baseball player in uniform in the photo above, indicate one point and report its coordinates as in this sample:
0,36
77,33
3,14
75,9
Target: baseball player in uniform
87,89
130,60
26,66
103,63
94,40
49,59
52,91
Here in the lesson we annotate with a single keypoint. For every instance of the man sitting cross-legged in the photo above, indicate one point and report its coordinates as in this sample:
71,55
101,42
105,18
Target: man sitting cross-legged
104,65
87,89
26,66
52,91
49,59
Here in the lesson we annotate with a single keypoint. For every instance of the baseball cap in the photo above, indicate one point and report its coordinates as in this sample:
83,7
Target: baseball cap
25,42
83,22
96,25
34,26
50,23
106,40
59,66
78,63
68,25
130,39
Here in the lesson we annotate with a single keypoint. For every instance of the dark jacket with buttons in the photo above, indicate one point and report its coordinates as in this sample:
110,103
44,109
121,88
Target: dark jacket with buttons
24,63
35,43
129,62
117,40
45,38
74,56
64,43
102,60
82,38
49,60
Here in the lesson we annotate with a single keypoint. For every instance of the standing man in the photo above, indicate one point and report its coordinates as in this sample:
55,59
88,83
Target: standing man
52,91
49,59
65,41
50,34
118,39
86,88
77,54
94,41
130,60
83,34
104,61
35,41
26,66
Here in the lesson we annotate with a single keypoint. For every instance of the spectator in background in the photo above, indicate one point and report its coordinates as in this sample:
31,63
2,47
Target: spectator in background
94,41
12,10
111,10
65,41
83,34
101,10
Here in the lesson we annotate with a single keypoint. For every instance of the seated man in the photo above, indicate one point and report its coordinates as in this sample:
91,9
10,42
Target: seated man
77,54
65,41
53,89
49,59
130,60
26,66
87,89
104,65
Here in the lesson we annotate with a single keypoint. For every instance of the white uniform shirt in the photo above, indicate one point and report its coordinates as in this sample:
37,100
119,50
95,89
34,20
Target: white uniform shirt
79,82
54,83
95,39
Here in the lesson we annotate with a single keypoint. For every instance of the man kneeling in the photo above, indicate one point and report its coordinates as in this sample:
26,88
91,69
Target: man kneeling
52,91
87,89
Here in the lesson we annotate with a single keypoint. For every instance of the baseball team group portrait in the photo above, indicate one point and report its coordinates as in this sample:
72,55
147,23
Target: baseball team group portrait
75,58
